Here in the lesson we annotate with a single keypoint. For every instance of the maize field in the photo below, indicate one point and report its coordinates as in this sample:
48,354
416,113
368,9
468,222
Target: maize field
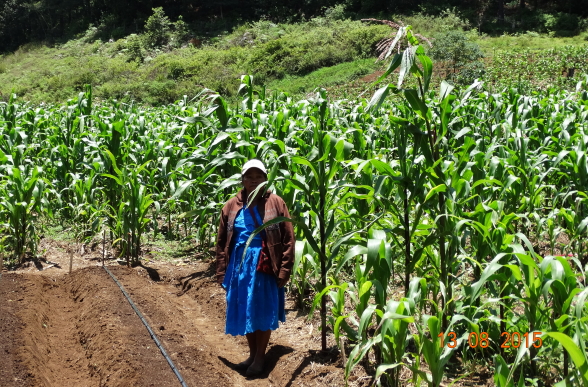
435,229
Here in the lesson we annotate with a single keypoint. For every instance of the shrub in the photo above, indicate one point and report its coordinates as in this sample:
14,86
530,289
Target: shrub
447,20
264,31
176,70
85,77
56,82
364,39
583,25
267,60
560,23
181,33
112,90
110,28
450,20
336,12
461,56
300,52
91,34
134,48
158,93
157,28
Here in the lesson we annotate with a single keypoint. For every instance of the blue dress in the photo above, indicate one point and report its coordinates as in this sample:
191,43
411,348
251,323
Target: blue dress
254,301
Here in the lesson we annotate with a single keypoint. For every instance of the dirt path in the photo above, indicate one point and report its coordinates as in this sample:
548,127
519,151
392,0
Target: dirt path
12,370
77,329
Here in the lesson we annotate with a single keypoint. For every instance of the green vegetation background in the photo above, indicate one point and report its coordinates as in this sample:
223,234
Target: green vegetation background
166,57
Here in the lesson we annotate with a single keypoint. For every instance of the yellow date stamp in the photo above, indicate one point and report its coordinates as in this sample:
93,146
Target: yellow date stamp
482,339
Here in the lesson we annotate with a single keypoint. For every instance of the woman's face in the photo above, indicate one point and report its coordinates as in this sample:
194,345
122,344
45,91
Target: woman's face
252,178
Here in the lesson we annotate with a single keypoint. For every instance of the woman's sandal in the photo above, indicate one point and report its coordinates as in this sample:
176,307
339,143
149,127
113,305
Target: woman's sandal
253,371
242,366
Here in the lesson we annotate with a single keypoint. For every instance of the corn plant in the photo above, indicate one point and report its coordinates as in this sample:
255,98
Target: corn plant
464,196
305,270
433,130
23,201
131,214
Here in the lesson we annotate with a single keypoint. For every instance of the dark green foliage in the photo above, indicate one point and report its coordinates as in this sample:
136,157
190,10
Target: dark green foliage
336,12
85,77
157,28
160,31
561,23
134,48
281,56
461,57
129,69
323,47
180,33
176,70
54,21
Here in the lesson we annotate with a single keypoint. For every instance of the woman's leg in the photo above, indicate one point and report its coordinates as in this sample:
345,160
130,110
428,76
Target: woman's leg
252,341
261,341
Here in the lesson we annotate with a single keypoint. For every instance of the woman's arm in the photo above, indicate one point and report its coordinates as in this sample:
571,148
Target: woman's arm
221,242
288,244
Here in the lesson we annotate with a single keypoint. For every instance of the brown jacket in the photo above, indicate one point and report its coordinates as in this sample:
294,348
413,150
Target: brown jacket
280,237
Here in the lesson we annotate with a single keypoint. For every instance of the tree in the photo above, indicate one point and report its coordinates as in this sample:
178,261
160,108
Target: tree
157,28
463,56
500,10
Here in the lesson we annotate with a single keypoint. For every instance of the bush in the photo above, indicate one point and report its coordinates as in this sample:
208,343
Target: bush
263,31
461,56
134,49
56,83
176,70
91,34
85,77
110,28
336,12
180,34
447,20
364,40
560,23
157,28
308,48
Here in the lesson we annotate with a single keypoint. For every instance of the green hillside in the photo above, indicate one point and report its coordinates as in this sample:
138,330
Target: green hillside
161,65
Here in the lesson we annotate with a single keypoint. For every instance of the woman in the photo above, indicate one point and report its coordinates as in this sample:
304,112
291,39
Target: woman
255,300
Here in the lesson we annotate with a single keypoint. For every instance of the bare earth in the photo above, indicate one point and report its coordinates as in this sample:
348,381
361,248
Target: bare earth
77,329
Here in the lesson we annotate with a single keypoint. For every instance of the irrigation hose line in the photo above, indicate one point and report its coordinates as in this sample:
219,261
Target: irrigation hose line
153,336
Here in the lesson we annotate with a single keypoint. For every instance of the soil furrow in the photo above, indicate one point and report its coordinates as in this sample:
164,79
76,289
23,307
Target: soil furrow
13,371
77,329
202,355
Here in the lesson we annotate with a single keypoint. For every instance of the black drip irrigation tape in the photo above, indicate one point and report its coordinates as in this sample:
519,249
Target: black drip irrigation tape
153,336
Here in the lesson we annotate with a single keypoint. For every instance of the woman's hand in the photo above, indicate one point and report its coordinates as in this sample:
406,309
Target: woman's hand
281,282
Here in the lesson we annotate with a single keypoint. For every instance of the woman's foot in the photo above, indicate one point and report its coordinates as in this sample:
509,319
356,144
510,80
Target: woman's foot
244,364
254,369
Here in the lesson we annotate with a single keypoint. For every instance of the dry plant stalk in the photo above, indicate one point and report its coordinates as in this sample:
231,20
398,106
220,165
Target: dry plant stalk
70,259
103,245
342,344
383,46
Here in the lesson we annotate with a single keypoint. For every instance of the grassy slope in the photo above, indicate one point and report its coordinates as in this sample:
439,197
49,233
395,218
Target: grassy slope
294,58
269,51
528,41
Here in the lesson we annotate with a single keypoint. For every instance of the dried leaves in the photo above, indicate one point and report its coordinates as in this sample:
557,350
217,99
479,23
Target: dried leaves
385,45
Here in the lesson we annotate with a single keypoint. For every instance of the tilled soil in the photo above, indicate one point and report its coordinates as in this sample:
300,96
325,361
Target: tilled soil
77,329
